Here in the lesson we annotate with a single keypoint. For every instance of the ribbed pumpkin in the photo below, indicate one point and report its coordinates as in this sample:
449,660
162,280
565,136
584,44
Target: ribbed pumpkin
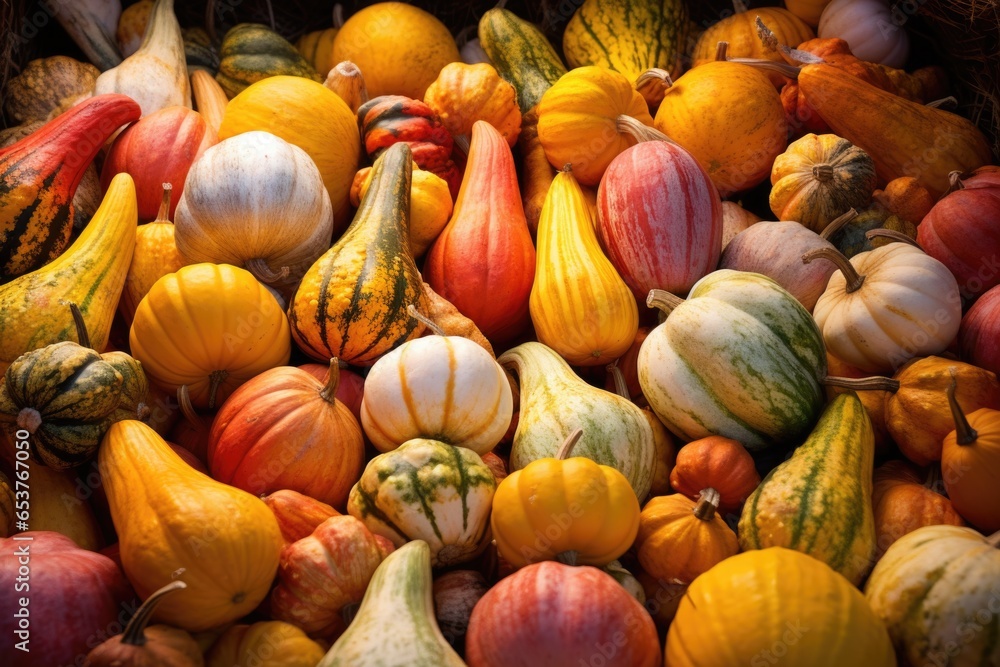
201,54
331,142
807,10
352,303
317,48
211,328
297,515
970,463
904,501
47,86
716,463
776,601
739,29
428,490
580,306
979,335
819,178
578,120
464,94
936,591
865,25
264,644
251,52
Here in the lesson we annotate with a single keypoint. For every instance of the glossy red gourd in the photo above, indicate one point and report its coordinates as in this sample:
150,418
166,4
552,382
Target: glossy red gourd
979,335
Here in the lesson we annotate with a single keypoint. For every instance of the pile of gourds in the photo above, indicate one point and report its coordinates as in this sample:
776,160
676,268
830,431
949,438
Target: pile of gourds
252,296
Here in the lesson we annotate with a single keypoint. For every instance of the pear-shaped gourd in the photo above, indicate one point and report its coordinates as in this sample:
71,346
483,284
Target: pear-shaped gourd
395,626
819,501
352,303
555,402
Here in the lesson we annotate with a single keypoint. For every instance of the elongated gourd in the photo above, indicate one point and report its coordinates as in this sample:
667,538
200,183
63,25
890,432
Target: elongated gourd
92,25
819,501
580,306
399,590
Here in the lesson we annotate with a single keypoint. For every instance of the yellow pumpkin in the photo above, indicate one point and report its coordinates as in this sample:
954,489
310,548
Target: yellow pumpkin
578,120
463,94
209,327
807,10
570,508
264,644
740,31
774,606
317,48
399,47
730,118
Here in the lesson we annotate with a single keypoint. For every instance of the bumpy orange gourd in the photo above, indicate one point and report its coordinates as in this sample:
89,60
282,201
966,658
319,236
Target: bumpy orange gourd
970,465
463,94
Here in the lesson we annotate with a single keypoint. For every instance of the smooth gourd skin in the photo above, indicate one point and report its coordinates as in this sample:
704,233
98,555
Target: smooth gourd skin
970,470
776,605
264,644
740,31
903,502
168,516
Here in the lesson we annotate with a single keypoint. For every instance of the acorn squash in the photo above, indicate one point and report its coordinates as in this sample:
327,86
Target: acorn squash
251,52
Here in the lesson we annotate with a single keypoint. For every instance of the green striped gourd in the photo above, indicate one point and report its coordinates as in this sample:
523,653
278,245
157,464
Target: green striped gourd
395,625
937,589
555,402
819,501
431,491
739,358
251,52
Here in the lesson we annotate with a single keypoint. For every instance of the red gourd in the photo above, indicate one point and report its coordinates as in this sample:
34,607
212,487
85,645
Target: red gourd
484,261
39,176
979,335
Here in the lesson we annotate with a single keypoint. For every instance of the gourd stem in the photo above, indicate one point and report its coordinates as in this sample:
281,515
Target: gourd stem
143,412
621,387
215,378
793,57
568,557
823,172
950,101
722,51
426,321
462,143
569,443
663,300
994,540
708,503
899,237
933,481
654,75
338,16
329,391
134,632
626,124
837,224
82,335
187,409
854,279
874,383
29,419
262,272
163,215
784,69
954,182
501,4
740,7
964,433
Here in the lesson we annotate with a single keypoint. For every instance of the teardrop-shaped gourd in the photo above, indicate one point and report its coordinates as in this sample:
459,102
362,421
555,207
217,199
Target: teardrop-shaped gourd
580,306
92,25
819,501
348,82
352,302
554,402
175,523
970,462
486,247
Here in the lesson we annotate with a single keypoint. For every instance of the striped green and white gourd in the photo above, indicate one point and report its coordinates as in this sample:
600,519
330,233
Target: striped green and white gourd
819,501
937,589
431,491
395,625
555,402
739,358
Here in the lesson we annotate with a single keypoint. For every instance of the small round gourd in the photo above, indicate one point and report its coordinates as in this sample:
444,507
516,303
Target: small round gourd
264,644
463,94
970,464
718,463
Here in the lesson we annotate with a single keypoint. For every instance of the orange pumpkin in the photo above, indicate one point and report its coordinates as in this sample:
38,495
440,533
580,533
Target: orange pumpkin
904,501
463,94
719,463
970,465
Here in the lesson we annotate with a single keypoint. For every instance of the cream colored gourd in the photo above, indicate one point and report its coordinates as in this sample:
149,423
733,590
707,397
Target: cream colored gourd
887,306
447,388
255,201
555,402
155,76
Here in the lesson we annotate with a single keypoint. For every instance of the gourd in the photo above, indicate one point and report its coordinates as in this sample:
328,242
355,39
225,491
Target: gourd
142,645
903,502
168,517
332,144
57,503
577,120
886,306
428,491
297,515
901,136
8,503
284,429
579,305
776,598
819,178
347,81
251,52
208,328
871,29
734,324
870,229
155,76
39,176
807,10
258,202
463,94
92,25
264,644
716,463
323,576
819,501
572,509
201,54
486,248
554,402
455,596
979,334
317,47
679,539
351,303
735,219
401,590
400,48
453,323
132,26
659,215
970,462
48,86
443,387
209,98
933,590
90,273
739,29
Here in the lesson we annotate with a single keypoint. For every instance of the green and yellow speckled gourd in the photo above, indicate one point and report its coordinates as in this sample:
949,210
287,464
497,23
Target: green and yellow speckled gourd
251,52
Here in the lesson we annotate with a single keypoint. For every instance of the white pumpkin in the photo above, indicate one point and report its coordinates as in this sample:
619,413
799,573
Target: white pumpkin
869,28
255,201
